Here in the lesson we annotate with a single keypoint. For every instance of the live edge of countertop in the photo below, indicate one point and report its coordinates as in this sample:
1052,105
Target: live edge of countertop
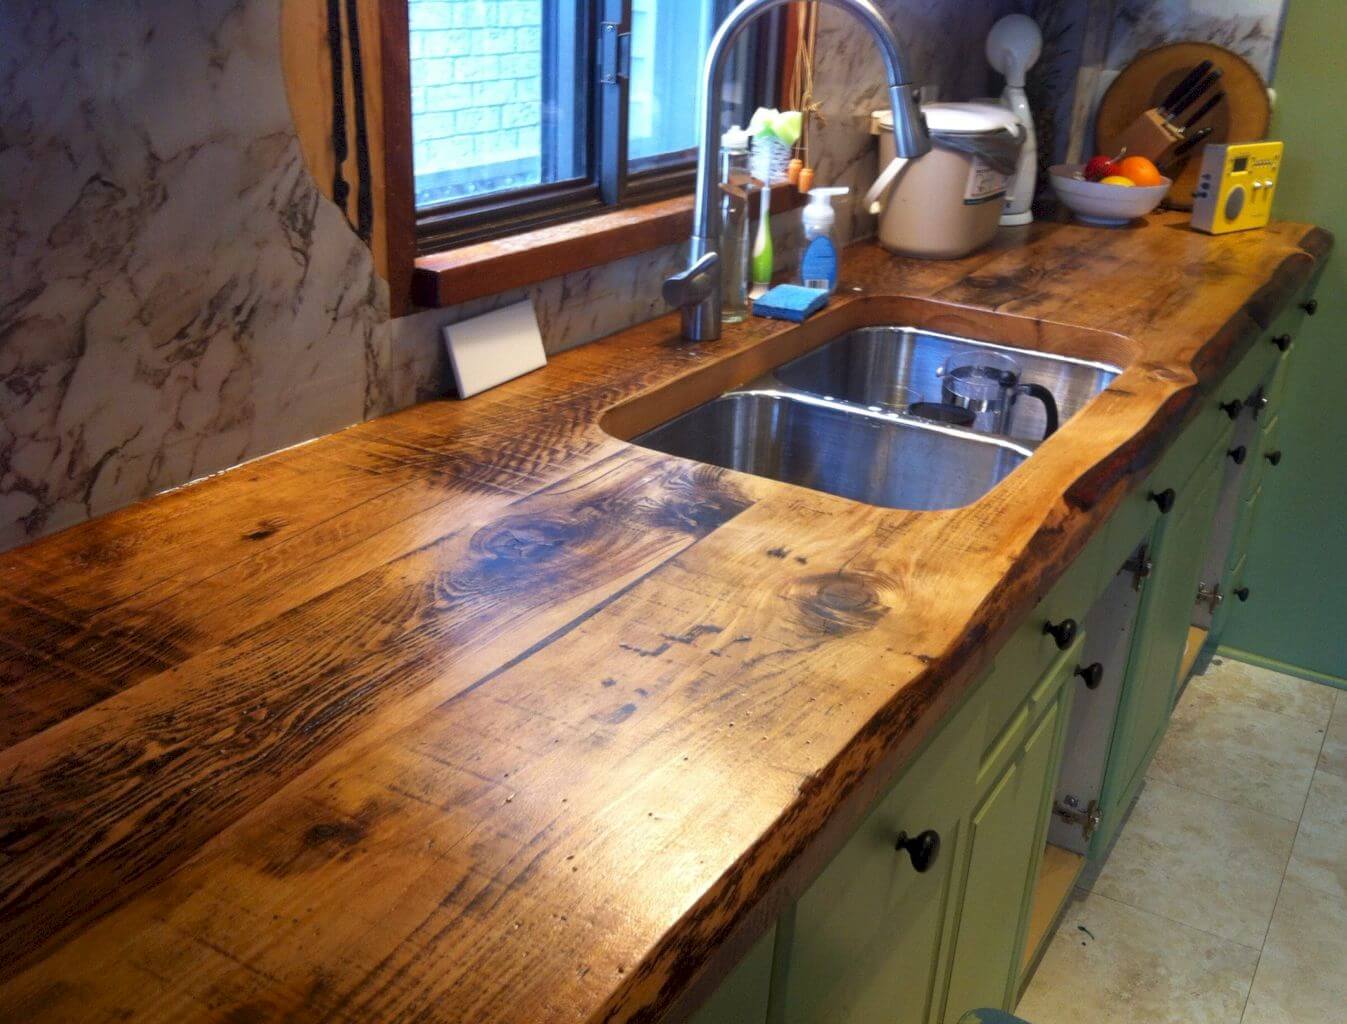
477,713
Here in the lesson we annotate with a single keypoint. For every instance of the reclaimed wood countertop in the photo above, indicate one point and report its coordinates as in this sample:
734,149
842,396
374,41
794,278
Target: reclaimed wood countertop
477,713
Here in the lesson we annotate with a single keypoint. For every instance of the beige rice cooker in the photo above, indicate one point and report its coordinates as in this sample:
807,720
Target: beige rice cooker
948,202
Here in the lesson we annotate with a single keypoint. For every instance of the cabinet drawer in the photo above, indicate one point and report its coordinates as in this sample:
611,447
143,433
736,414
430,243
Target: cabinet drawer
1271,458
1022,660
1022,719
865,941
1211,426
1132,522
1286,326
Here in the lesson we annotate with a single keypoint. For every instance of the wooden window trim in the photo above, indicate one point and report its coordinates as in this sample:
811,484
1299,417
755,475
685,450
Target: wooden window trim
515,261
496,265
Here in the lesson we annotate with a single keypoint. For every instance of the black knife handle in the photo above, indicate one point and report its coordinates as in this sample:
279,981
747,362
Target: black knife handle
1195,93
1187,82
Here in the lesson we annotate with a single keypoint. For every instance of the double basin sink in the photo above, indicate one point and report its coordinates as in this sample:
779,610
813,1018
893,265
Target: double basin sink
838,420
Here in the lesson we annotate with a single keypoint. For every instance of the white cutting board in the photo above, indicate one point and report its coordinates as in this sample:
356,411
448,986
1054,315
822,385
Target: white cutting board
491,349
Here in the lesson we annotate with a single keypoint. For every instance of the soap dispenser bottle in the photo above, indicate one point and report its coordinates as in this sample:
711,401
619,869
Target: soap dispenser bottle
818,265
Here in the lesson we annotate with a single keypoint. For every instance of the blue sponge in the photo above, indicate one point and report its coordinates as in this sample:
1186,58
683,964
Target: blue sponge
790,302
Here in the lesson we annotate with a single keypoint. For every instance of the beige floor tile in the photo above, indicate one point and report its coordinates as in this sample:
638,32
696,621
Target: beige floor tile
1113,963
1269,690
1319,857
1302,975
1239,751
1334,756
1206,863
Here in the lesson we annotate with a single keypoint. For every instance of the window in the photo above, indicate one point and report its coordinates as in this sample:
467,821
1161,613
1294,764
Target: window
529,112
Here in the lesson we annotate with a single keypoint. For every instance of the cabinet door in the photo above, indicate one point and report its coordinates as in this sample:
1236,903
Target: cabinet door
742,997
1005,845
1166,612
867,933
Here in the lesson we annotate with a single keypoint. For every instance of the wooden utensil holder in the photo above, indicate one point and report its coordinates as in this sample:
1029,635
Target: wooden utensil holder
1151,136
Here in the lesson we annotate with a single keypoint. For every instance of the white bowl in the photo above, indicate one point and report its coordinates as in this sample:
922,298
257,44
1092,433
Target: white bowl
1105,205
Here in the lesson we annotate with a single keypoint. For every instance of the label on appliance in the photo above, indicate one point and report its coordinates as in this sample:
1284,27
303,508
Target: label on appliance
985,183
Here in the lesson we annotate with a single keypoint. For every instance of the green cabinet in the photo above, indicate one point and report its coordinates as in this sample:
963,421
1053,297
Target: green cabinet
742,998
885,937
1179,547
866,936
1005,844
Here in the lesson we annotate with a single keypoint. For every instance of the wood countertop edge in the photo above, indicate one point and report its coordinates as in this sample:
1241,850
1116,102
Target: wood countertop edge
694,975
694,953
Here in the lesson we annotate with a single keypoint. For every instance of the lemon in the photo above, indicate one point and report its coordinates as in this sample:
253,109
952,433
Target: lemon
1118,179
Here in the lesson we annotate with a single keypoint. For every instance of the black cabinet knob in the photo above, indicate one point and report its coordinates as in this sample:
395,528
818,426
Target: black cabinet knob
923,848
1238,455
1275,458
1093,674
1232,408
1258,401
1242,593
1164,500
1311,307
1282,341
1063,632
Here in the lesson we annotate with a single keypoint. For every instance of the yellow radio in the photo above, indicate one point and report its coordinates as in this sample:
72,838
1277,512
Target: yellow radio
1235,186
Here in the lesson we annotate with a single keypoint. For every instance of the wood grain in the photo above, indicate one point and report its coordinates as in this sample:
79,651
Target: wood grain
487,268
479,713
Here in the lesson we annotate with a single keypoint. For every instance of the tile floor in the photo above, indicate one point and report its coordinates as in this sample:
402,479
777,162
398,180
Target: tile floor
1224,900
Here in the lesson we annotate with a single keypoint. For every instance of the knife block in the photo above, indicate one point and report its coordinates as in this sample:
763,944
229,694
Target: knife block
1151,136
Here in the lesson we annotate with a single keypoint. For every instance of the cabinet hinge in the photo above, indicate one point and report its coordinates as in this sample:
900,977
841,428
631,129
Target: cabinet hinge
1210,595
614,53
1140,566
1068,809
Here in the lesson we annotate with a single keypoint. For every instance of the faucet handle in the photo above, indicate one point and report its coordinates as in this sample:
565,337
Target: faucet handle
695,284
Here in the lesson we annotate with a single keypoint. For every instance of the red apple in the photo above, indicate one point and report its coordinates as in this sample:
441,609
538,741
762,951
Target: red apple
1100,167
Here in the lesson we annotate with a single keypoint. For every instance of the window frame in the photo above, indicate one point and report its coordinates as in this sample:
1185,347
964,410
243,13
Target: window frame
611,184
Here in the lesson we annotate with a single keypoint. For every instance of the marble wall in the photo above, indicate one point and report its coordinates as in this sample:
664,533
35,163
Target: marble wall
179,298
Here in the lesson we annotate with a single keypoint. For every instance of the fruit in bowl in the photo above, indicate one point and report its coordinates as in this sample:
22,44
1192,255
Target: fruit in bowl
1132,188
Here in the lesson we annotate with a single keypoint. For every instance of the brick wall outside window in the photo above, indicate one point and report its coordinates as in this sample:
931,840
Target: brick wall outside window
476,75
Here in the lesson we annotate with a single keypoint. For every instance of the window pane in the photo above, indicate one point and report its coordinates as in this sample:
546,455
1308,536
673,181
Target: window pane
668,44
498,95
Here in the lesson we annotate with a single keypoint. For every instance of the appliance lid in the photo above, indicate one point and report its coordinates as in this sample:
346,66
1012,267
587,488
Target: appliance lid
955,119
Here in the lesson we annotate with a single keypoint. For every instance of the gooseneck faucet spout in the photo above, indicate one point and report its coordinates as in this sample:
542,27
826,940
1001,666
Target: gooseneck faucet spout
697,290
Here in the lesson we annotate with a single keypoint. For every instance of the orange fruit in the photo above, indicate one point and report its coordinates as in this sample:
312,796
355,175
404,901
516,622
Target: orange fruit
1117,179
1139,171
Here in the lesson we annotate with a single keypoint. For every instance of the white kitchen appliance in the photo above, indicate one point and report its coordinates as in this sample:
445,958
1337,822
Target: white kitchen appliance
1013,46
948,202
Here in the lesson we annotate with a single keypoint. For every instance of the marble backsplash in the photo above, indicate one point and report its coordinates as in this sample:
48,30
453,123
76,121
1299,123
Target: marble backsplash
179,298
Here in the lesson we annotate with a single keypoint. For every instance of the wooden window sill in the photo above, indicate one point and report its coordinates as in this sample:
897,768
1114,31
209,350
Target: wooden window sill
488,268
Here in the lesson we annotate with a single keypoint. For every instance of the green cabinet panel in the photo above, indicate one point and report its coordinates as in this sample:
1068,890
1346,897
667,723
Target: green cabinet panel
866,938
1298,548
1004,848
1162,632
743,996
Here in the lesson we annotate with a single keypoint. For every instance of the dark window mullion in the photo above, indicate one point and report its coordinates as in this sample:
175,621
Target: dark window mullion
613,96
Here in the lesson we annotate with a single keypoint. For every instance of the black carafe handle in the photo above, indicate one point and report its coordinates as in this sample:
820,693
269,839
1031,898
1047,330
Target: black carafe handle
1049,405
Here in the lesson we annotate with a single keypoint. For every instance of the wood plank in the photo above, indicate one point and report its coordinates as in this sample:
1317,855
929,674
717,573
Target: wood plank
478,269
1057,874
477,713
1197,636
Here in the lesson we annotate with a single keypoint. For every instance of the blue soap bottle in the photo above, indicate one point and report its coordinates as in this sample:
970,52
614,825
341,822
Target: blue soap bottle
818,265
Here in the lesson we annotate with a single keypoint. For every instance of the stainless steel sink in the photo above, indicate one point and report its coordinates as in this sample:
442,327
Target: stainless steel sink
879,457
876,366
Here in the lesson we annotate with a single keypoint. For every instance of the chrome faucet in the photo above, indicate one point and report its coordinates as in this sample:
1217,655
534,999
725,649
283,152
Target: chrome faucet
697,290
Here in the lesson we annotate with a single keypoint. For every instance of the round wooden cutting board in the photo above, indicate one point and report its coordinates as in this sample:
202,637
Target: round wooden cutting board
1242,117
